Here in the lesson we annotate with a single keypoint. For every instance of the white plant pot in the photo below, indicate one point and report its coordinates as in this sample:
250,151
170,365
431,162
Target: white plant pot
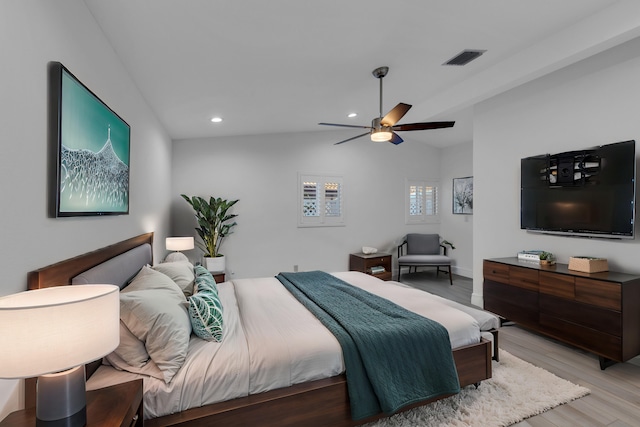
216,264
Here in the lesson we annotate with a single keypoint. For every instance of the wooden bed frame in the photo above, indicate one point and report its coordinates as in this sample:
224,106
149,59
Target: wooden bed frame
316,403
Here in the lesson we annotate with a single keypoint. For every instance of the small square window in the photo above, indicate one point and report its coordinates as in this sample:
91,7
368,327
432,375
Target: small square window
421,202
320,201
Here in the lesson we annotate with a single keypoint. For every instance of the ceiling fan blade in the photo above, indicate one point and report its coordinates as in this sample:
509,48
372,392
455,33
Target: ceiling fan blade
395,139
423,126
345,126
355,137
395,114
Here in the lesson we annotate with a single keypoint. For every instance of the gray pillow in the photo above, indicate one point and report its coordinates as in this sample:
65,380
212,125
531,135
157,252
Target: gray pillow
154,309
181,272
131,349
149,368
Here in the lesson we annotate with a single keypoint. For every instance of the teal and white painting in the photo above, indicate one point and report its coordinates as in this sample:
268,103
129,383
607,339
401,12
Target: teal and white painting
94,154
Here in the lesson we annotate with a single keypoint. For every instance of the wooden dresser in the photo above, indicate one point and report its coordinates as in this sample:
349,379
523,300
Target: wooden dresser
598,312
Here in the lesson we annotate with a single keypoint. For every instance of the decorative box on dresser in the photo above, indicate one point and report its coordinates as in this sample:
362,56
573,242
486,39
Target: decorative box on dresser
364,262
598,312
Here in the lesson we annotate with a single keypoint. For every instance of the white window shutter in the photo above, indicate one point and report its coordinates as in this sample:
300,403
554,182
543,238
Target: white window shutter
421,201
321,201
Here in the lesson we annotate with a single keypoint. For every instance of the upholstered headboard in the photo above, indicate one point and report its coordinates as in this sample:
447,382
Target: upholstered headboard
64,272
119,270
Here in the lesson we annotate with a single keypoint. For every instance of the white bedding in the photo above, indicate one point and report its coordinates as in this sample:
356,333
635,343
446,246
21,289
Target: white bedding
271,341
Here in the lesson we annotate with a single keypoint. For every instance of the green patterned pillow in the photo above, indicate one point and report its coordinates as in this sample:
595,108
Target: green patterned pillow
205,312
204,281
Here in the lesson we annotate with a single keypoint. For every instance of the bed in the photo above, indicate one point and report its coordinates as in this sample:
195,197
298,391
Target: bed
305,390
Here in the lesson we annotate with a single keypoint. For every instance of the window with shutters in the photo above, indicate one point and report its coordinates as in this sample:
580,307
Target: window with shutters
320,201
421,202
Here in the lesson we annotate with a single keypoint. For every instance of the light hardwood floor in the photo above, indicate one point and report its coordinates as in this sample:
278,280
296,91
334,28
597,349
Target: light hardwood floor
615,392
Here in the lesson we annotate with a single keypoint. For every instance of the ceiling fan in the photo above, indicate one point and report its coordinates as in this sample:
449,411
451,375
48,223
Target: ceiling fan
384,128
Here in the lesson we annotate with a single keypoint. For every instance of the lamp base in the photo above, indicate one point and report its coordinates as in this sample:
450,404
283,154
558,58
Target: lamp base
61,399
175,257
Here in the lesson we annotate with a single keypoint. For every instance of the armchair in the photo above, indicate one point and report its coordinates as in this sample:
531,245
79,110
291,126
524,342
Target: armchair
423,250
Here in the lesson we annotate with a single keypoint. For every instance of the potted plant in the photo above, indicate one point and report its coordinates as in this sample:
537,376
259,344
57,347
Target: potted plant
213,221
546,258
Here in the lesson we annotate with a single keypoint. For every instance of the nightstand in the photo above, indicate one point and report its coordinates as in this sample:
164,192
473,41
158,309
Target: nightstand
119,405
218,277
378,265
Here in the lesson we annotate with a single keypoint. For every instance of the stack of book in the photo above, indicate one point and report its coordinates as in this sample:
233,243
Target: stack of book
529,255
377,269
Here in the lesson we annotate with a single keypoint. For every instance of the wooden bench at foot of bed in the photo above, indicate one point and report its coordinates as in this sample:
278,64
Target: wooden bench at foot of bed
317,403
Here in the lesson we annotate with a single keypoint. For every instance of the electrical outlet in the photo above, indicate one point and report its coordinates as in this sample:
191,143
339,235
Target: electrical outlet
295,268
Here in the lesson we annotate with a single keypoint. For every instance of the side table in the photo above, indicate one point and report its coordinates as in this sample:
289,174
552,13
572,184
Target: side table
378,264
120,405
218,277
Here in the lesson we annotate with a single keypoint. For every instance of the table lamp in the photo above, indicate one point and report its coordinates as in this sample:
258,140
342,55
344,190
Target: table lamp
51,333
178,244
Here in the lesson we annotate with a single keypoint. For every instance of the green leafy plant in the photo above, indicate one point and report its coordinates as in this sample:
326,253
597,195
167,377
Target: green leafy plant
213,222
546,256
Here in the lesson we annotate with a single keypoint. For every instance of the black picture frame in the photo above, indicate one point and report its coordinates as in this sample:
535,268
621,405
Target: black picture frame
89,150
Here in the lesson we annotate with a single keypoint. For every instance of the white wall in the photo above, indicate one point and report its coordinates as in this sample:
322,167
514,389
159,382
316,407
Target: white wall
33,33
457,162
262,171
593,102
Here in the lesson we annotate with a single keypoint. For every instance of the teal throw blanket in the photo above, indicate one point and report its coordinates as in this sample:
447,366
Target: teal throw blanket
393,357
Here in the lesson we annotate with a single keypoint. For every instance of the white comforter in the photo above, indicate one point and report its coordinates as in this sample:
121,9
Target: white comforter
271,341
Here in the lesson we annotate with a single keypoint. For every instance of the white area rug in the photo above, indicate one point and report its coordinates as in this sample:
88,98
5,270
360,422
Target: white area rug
517,390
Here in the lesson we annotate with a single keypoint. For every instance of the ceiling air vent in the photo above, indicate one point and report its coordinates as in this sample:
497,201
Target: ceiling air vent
464,57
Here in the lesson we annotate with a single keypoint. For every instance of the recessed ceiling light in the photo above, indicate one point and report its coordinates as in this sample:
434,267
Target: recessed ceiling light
216,119
352,115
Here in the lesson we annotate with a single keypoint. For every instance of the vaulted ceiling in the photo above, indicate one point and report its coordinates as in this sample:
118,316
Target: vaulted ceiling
285,65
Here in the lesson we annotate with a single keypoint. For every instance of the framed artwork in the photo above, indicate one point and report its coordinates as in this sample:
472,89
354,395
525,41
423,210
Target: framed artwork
463,195
90,148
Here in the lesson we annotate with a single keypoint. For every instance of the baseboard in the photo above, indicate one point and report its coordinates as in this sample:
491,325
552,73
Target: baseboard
460,271
477,300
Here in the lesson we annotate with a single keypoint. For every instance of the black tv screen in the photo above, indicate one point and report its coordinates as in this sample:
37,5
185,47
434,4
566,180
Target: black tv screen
587,192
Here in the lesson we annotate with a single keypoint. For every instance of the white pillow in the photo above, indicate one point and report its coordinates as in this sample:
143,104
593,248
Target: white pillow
181,272
131,350
150,368
154,309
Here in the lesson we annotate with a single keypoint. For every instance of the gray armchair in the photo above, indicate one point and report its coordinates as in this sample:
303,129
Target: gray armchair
423,250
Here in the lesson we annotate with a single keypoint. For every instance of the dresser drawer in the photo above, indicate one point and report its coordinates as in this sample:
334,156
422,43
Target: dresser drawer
599,293
496,271
559,285
526,278
381,260
598,342
516,304
585,315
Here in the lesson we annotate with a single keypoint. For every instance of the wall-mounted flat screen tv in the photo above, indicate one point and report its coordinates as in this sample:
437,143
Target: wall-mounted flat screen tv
587,192
89,146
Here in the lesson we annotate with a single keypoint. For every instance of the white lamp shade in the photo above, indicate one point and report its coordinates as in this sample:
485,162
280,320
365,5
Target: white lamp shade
179,243
54,329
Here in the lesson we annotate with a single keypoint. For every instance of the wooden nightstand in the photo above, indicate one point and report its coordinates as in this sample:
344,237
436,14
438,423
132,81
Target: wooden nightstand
116,406
365,262
218,277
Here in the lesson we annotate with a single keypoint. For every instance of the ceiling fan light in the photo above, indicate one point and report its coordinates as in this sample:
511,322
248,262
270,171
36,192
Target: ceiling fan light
381,135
